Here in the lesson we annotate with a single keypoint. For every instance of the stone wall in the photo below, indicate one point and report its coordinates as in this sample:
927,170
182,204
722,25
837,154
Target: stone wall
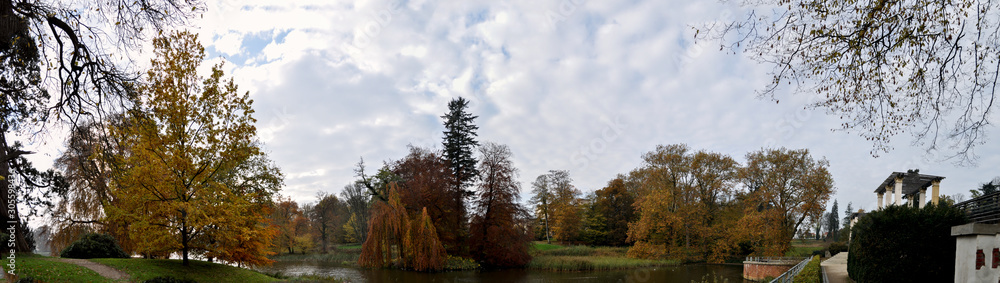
756,271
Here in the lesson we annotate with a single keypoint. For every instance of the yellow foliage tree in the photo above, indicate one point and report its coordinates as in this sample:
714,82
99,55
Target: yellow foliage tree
196,180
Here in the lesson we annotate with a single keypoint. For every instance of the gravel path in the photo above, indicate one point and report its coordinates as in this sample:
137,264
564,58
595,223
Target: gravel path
103,270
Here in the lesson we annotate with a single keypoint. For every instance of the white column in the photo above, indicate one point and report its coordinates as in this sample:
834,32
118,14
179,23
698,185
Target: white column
935,187
899,190
923,197
880,200
888,200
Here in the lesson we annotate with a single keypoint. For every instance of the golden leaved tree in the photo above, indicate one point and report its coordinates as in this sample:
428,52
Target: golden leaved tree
196,180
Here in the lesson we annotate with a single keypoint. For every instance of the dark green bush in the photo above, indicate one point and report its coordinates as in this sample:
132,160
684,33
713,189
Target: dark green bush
168,279
811,273
836,248
819,253
905,244
93,245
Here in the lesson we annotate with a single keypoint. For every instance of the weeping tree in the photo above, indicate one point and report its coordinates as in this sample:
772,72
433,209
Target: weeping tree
390,229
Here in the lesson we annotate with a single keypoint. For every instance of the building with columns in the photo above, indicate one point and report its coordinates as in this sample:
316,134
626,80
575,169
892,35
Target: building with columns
908,188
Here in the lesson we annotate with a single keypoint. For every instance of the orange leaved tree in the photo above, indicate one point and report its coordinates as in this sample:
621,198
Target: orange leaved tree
390,229
195,180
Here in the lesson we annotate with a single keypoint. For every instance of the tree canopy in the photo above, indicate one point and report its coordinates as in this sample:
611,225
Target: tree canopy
885,67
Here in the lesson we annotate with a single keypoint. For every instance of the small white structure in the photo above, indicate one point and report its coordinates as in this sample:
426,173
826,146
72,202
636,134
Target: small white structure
911,186
977,252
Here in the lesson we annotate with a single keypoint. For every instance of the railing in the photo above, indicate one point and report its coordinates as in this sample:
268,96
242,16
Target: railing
773,258
789,275
983,209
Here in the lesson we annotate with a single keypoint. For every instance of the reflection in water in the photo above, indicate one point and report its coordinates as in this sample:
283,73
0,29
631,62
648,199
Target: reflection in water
681,273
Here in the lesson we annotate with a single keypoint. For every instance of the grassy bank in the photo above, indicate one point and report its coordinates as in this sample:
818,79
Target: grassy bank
47,269
201,271
805,248
581,258
44,269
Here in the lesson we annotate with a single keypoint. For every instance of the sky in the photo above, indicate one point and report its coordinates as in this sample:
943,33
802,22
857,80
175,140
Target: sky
584,86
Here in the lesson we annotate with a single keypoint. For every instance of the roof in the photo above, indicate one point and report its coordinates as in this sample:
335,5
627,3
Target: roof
913,181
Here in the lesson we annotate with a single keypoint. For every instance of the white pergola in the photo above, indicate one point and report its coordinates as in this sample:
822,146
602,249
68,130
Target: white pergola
909,185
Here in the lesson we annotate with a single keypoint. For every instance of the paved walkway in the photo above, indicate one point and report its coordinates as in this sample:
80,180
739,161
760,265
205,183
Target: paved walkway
103,270
836,268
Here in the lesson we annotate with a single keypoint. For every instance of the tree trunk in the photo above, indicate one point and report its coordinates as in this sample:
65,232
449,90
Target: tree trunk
8,197
184,238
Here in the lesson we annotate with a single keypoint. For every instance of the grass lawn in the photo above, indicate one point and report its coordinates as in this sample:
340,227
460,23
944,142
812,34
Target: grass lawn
542,246
577,258
804,248
201,271
349,247
43,269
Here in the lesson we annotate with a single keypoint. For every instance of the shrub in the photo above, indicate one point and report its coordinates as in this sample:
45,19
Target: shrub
819,253
93,245
168,279
836,248
811,273
905,244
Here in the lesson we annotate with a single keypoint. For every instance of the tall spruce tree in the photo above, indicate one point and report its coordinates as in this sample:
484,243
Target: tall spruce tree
833,223
459,141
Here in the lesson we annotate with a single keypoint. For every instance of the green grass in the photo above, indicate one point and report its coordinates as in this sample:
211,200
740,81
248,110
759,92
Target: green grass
201,271
802,251
581,263
45,269
349,247
542,246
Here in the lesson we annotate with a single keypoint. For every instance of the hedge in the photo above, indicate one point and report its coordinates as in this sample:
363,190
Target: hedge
904,244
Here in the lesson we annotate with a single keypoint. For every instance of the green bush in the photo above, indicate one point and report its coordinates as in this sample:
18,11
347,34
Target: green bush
905,244
811,273
836,248
93,245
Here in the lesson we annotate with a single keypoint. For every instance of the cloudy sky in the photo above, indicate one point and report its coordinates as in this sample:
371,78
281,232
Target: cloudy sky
585,86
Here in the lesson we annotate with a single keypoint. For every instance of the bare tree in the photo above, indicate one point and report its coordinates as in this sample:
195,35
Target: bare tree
885,67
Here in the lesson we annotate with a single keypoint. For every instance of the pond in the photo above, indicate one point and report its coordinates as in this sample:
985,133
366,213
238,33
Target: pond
680,273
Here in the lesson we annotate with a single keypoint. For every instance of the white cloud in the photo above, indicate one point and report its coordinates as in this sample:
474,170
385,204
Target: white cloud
335,81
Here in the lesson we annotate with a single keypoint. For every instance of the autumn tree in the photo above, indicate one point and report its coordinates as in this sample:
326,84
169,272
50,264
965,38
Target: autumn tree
87,165
566,207
428,184
327,218
885,67
292,226
615,205
81,80
195,166
357,200
790,183
541,199
499,235
414,241
679,202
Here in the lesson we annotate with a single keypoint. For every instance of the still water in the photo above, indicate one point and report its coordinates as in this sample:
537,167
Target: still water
680,273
